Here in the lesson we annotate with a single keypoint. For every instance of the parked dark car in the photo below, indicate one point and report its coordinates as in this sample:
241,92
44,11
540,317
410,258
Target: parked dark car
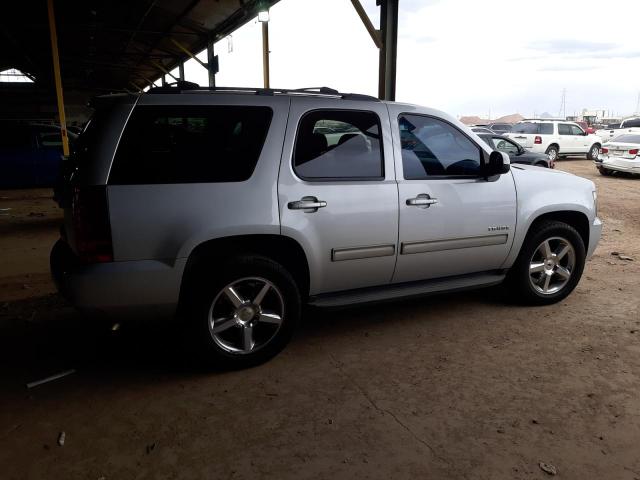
500,128
30,155
516,152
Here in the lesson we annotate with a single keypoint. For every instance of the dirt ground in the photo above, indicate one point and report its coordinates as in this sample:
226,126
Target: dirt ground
460,386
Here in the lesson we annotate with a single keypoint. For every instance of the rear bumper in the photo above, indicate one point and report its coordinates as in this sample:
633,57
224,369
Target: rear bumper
619,165
124,289
594,236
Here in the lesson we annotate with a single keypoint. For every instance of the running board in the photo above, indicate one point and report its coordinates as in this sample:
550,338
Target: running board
407,290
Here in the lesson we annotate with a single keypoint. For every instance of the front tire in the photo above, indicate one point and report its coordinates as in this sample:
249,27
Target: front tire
549,265
241,313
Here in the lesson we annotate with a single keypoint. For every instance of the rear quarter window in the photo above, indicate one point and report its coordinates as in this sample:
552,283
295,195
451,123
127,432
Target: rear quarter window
190,144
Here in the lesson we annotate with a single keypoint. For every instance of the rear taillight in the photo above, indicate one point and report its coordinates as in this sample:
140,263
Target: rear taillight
604,150
633,152
91,224
538,140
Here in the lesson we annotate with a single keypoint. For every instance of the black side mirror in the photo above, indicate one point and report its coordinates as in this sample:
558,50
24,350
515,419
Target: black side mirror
498,164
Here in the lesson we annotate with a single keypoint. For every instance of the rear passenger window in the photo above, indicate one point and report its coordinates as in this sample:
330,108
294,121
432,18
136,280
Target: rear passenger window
186,144
339,144
431,147
546,129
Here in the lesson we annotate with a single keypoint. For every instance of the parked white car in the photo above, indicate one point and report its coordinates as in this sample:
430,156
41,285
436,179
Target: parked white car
555,138
629,125
620,155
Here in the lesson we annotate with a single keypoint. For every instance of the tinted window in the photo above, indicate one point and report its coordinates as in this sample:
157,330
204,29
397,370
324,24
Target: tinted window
575,130
628,139
501,128
564,129
504,145
431,147
525,127
184,144
634,122
545,128
338,144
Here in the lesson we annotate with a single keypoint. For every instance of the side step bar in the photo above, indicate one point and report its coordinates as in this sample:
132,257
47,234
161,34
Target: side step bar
406,290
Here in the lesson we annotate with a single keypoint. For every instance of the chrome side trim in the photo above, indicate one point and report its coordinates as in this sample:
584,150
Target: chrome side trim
452,244
354,253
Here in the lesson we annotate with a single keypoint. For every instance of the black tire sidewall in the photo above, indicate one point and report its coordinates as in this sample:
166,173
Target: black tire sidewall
210,281
519,274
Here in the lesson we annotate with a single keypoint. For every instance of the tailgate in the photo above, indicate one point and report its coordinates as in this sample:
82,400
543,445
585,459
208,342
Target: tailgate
524,139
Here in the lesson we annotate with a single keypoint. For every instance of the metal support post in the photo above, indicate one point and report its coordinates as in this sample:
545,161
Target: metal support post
265,53
210,63
57,78
390,35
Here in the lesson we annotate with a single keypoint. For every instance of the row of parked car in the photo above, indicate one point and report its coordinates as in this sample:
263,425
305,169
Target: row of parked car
541,142
621,150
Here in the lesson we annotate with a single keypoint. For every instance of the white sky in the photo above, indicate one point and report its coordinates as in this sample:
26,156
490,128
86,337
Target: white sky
466,57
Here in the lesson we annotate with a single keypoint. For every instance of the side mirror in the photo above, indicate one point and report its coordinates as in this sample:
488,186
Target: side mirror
498,164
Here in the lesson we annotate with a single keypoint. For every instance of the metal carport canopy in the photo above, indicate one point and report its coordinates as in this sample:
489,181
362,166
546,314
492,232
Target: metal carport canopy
113,45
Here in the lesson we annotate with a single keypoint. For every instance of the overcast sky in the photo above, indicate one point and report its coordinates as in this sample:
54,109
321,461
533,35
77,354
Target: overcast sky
466,57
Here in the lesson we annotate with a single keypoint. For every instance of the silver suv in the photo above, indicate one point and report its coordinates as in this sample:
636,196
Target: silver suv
231,209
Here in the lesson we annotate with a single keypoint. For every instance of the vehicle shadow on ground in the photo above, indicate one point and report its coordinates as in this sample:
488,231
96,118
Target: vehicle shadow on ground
43,336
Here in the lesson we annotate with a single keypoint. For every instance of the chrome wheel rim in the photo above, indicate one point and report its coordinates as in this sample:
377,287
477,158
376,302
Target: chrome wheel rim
246,315
552,154
552,265
595,151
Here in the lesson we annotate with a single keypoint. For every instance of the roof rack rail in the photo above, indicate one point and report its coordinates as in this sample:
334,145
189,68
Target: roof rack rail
183,86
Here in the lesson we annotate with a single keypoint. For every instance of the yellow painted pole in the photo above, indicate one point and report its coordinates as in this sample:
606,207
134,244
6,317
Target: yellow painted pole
58,80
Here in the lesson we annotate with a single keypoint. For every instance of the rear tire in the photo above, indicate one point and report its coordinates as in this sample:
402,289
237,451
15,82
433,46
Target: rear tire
552,151
594,152
241,313
605,171
549,266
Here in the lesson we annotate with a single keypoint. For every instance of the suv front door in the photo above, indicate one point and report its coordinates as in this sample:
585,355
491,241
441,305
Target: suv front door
337,192
452,221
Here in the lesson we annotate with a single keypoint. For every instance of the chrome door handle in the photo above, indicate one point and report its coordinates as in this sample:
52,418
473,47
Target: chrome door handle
308,204
423,201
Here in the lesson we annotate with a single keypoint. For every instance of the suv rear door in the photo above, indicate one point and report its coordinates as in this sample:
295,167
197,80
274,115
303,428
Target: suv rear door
452,220
337,192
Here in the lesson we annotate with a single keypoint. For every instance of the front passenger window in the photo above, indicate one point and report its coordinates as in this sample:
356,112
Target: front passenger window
432,148
576,130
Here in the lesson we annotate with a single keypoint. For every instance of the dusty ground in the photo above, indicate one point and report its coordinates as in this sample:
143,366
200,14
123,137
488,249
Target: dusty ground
457,386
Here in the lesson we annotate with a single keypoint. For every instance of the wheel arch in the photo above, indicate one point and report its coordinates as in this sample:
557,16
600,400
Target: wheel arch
282,249
576,219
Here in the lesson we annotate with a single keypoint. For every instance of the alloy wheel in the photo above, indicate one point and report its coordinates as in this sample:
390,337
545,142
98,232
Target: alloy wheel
246,315
552,265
